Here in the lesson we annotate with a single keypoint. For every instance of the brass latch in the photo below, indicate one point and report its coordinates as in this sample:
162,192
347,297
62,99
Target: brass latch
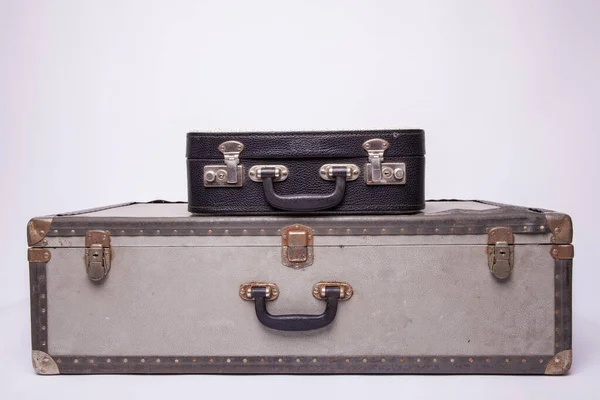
297,246
97,254
376,171
501,252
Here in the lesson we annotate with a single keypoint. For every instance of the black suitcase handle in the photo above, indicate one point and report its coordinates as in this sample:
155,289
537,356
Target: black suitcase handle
296,322
305,202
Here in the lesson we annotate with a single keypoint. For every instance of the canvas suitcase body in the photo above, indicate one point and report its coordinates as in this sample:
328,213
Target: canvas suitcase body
339,172
464,287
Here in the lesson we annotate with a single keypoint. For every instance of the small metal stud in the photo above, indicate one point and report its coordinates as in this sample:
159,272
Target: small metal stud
245,360
364,360
76,361
507,360
280,360
125,360
314,360
108,360
541,360
191,231
418,360
402,360
347,361
210,232
142,360
524,360
176,361
383,360
435,360
229,360
452,360
158,360
542,227
470,360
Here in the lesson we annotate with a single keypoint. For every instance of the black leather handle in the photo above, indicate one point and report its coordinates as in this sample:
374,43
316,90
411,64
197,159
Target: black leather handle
296,322
305,202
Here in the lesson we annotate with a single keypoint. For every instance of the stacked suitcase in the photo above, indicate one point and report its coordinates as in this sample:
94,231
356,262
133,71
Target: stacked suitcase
302,252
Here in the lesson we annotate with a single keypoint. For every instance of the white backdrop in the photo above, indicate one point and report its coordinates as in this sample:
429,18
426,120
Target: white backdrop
96,98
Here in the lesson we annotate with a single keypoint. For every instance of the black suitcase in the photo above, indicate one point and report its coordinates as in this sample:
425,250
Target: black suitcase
336,172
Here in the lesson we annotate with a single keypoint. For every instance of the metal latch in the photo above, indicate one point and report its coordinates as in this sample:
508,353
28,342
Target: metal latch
501,252
229,175
97,254
297,246
378,172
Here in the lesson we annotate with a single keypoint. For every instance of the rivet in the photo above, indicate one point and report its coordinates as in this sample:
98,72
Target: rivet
210,231
383,231
46,255
347,361
245,360
212,360
142,360
524,360
297,360
280,360
365,230
557,276
42,296
43,310
226,231
158,360
557,294
76,361
525,228
108,360
418,360
557,329
176,361
59,361
364,360
557,360
72,230
43,343
419,230
191,231
557,230
555,251
470,360
401,230
437,230
452,360
125,360
507,360
229,360
402,360
122,232
158,231
174,231
262,360
451,230
245,231
55,231
194,361
557,312
435,360
42,233
141,231
487,360
262,231
383,360
487,230
330,230
470,230
314,360
46,359
541,360
542,227
348,230
43,328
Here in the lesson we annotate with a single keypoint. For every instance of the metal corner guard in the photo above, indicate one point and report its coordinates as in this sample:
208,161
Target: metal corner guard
37,229
43,364
560,364
561,227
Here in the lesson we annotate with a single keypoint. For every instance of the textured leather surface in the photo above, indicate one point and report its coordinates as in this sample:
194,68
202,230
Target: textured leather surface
296,322
408,300
270,145
304,179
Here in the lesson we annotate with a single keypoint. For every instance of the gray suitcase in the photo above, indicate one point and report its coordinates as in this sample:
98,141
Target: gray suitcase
463,287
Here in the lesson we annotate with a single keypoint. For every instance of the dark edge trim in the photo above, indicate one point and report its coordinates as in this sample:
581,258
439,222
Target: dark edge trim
563,304
39,301
304,365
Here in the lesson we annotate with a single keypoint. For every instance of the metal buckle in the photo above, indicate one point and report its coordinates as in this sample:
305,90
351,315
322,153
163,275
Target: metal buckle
281,172
378,172
501,252
297,246
351,175
229,175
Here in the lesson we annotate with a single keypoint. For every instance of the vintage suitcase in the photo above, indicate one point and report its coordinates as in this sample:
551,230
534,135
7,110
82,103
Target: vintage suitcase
464,287
341,172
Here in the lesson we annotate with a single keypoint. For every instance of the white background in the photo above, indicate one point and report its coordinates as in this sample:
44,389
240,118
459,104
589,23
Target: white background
96,98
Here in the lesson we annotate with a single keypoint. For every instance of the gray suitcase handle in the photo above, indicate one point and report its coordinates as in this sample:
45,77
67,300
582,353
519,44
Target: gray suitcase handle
303,202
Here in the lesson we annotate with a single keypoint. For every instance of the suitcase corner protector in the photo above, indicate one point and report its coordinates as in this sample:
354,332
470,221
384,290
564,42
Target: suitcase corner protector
560,364
561,227
43,364
37,229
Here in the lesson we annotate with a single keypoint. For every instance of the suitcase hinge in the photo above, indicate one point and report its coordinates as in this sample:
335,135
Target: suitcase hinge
229,175
297,246
501,252
97,254
380,173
